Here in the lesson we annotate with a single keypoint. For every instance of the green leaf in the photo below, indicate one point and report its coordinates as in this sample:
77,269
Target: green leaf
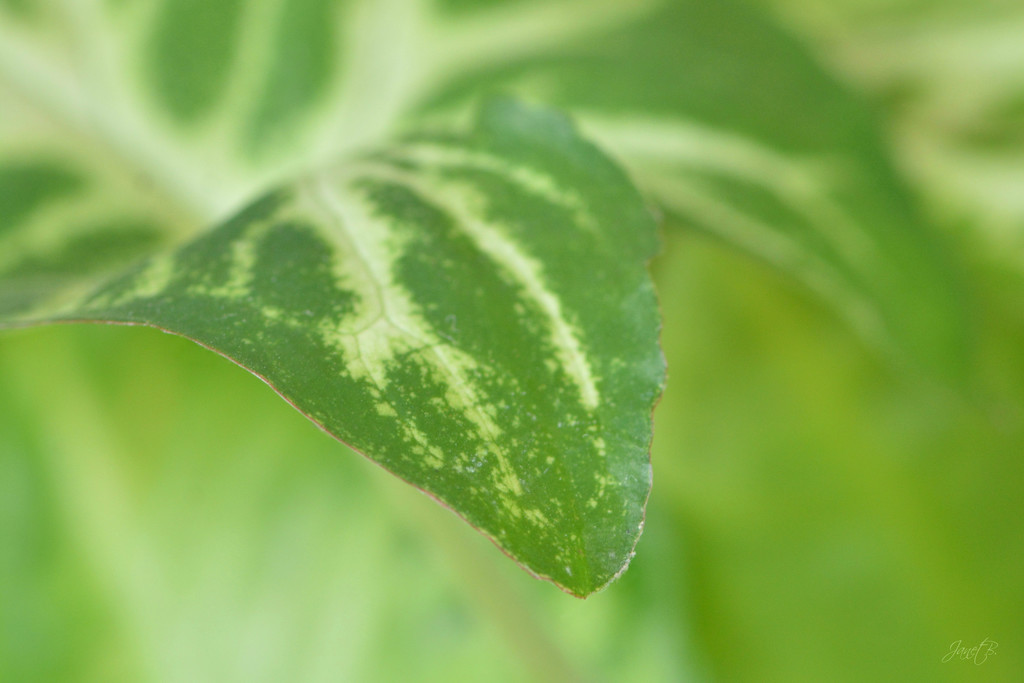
129,127
472,311
951,74
724,121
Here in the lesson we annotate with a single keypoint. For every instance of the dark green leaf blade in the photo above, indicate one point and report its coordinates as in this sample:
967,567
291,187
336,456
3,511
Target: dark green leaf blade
472,311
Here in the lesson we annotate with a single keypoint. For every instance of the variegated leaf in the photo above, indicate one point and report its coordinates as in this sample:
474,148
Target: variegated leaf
952,75
129,126
471,311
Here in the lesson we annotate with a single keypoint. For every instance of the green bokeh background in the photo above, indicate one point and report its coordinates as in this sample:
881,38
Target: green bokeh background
818,514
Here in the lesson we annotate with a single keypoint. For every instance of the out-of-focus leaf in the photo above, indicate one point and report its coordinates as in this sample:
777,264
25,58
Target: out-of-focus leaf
727,123
471,311
951,74
724,120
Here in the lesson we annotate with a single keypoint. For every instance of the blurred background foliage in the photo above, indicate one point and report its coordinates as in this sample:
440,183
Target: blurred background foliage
817,514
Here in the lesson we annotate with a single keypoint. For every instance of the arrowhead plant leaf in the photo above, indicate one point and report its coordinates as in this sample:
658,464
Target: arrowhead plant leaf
456,289
471,311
